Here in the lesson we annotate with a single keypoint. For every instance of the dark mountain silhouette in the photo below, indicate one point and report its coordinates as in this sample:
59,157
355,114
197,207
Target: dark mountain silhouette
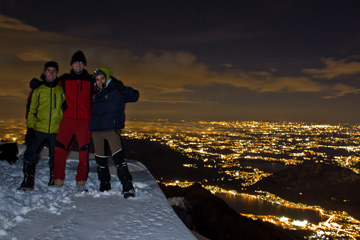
214,219
330,186
164,163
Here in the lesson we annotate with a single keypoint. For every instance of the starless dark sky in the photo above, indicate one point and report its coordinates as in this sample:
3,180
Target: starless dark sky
210,60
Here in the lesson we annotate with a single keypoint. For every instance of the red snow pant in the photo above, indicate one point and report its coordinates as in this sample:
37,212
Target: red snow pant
67,130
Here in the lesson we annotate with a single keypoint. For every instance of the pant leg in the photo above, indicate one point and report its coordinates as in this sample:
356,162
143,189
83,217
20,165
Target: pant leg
31,158
99,143
62,147
33,149
83,137
114,139
101,157
52,141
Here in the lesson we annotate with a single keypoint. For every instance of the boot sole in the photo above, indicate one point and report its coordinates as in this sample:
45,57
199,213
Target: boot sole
129,195
25,189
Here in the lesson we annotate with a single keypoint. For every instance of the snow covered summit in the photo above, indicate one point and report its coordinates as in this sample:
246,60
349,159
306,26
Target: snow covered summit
64,213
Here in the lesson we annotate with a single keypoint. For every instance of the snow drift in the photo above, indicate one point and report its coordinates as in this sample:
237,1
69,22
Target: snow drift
64,213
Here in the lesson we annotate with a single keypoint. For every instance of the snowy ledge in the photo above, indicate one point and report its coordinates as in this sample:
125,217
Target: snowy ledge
53,213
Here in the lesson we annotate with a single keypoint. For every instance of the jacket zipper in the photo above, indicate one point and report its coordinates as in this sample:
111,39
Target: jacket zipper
77,99
51,96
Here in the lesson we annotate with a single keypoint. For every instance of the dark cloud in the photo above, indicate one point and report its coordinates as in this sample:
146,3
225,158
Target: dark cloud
176,51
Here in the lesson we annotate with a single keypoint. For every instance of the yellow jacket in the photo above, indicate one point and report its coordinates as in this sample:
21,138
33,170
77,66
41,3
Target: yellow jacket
45,111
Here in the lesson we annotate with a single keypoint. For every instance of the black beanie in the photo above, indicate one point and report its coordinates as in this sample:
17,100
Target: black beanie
78,57
51,64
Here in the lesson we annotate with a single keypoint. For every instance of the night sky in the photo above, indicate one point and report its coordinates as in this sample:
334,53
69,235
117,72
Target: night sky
195,60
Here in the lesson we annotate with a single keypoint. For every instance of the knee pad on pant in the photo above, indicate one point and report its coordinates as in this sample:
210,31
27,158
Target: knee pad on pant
123,173
84,148
102,169
101,161
118,158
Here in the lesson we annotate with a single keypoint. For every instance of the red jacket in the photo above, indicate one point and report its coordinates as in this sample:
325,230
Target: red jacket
78,90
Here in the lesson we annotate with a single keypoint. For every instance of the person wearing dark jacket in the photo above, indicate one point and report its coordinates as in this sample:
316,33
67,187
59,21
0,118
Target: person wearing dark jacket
107,119
78,87
43,117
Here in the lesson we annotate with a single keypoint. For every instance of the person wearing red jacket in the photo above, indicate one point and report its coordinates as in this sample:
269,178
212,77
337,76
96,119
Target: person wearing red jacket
78,86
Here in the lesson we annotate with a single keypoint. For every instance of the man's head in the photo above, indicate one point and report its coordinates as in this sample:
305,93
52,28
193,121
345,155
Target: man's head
50,71
78,62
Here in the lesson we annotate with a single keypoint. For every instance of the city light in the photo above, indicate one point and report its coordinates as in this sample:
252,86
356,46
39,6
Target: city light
233,149
226,146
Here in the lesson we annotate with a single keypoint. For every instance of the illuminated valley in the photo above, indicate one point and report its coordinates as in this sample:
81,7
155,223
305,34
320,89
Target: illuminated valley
225,146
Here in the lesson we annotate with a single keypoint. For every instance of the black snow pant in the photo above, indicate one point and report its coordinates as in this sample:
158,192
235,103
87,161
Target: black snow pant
34,147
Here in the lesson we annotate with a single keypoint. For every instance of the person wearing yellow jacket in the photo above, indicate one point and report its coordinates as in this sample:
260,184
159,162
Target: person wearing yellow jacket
43,119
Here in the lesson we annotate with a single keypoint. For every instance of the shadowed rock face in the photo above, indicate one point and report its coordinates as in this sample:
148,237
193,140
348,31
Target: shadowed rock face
212,218
321,184
9,152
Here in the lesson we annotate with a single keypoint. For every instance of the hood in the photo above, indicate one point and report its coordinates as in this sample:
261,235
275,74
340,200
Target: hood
105,71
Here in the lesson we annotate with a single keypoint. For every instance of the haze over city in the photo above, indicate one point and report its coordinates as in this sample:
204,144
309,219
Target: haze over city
204,60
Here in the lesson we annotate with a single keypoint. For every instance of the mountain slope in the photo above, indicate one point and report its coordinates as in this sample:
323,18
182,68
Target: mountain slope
214,219
53,213
327,185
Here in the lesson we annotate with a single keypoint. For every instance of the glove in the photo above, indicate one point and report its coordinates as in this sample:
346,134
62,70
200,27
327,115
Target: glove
29,136
64,106
117,84
35,83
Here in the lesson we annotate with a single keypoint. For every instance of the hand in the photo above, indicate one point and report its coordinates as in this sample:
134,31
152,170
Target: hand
117,84
64,106
29,136
35,83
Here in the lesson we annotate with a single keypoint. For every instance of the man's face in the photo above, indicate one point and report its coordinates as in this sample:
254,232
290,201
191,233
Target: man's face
78,67
50,74
100,80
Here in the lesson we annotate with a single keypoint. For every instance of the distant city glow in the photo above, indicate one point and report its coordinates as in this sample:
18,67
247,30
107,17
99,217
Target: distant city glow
300,223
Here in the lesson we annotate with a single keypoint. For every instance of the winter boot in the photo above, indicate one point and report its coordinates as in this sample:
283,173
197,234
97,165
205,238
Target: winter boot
126,180
124,174
104,177
122,168
27,183
29,177
105,186
103,173
128,190
51,180
58,183
80,186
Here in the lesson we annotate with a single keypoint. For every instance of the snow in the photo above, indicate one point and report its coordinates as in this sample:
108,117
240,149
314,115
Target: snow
63,213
